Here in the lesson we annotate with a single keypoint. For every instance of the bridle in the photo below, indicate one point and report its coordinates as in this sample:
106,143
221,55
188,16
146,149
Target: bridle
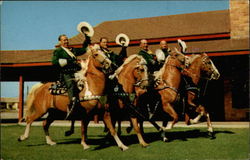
139,82
204,62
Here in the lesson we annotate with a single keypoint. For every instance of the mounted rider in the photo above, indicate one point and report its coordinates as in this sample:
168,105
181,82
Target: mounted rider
162,53
65,60
116,59
150,58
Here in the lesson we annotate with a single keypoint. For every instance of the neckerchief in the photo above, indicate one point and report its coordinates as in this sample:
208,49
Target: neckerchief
69,52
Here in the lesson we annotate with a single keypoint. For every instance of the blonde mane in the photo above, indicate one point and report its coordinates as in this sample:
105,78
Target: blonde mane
158,74
191,58
128,60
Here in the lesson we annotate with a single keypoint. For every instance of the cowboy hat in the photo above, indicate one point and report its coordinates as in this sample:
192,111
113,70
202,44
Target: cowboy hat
122,39
85,28
182,45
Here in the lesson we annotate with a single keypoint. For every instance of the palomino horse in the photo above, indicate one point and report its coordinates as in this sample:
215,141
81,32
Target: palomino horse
200,66
133,73
121,91
40,100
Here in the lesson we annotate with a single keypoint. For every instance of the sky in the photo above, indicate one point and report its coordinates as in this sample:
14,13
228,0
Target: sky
35,25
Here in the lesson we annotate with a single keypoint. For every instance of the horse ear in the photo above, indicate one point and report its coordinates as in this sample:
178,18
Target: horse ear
204,54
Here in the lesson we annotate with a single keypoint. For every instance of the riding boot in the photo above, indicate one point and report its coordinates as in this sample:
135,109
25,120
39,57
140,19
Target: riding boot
150,82
71,107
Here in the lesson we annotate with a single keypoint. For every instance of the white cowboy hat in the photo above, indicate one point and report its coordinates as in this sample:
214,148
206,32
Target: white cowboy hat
85,28
182,45
122,39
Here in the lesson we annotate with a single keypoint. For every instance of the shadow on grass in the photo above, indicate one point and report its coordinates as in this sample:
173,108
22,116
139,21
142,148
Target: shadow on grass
102,142
195,133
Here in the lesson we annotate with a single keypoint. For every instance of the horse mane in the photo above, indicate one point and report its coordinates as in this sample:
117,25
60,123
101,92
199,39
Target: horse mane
192,58
158,74
81,75
128,60
81,78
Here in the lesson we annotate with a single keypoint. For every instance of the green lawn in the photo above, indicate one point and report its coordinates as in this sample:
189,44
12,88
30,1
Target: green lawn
185,144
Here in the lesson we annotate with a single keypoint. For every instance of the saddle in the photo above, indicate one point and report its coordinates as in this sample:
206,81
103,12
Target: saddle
58,88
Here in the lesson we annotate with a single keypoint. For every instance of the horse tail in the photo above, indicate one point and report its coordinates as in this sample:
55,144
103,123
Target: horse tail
30,99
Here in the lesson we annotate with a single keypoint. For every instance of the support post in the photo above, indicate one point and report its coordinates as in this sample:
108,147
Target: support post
20,104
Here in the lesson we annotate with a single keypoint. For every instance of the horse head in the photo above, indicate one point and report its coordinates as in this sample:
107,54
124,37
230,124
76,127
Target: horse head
133,72
202,64
101,60
209,68
141,73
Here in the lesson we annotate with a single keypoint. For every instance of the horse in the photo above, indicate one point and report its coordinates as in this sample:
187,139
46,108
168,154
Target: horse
40,100
200,66
132,74
196,66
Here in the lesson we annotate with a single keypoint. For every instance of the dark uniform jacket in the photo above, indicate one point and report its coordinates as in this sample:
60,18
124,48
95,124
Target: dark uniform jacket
117,60
150,59
72,65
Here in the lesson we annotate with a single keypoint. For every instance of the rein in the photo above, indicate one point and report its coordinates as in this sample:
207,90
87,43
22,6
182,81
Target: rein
196,75
166,86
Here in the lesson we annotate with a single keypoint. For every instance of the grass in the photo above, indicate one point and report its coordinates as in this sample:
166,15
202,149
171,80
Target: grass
185,144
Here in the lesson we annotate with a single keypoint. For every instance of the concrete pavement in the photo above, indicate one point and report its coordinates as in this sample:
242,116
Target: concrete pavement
10,118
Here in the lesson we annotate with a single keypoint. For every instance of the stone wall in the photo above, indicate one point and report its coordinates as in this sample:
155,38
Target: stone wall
239,17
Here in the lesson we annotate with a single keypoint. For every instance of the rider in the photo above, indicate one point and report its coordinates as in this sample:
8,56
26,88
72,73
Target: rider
162,53
150,58
117,60
64,59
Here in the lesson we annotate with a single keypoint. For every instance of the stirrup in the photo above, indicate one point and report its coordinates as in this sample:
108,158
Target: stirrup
70,109
69,112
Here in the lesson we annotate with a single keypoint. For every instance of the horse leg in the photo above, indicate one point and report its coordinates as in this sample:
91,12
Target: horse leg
129,128
84,127
46,123
201,110
138,132
141,126
169,109
72,127
26,133
29,121
108,122
119,129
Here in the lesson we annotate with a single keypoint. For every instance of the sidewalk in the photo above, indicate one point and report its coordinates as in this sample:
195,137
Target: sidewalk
10,118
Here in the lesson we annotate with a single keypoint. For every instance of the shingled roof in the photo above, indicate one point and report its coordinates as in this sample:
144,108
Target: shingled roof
193,24
25,56
200,23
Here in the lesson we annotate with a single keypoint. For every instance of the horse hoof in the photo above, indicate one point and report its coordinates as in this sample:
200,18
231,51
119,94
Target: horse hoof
129,129
52,143
124,148
211,135
86,147
165,139
21,138
144,145
68,133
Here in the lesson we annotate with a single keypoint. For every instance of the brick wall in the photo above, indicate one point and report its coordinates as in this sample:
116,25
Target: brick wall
239,16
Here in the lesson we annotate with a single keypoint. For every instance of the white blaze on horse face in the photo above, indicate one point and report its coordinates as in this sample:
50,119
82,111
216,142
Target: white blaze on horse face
144,80
100,56
216,73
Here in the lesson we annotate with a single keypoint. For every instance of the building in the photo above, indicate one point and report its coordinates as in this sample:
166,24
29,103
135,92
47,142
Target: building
223,35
